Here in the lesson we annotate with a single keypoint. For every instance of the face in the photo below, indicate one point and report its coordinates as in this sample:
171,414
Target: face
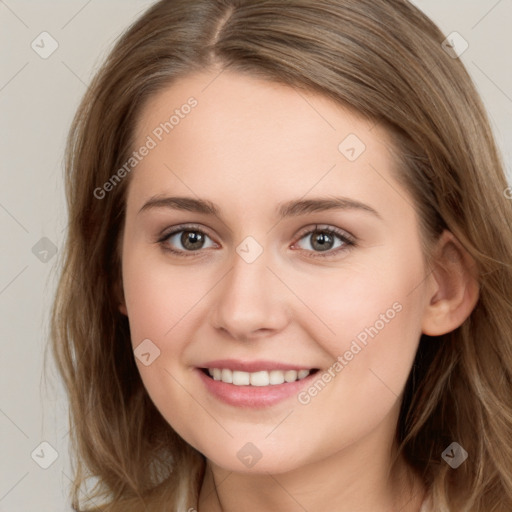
268,244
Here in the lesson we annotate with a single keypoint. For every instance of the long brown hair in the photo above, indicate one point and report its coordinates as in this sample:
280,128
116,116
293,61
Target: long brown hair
384,59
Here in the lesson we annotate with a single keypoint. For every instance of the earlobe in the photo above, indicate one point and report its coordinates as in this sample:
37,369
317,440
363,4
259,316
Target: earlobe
455,289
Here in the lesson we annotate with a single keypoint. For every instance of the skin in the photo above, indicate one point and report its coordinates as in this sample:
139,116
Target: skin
248,146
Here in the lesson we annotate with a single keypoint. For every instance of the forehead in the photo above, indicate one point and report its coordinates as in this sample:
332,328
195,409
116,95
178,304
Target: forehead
243,137
228,105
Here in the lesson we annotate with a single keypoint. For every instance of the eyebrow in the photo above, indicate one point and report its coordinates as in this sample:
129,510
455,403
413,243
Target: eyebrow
293,208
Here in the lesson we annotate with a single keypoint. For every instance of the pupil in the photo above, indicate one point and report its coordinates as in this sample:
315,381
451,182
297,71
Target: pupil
190,238
323,239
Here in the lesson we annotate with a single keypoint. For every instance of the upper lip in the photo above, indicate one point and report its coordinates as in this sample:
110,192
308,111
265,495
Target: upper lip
253,366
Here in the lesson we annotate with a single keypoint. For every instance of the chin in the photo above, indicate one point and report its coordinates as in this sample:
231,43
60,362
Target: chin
250,460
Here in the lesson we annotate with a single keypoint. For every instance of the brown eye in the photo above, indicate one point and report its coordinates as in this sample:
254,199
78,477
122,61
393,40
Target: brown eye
321,241
326,240
181,241
192,240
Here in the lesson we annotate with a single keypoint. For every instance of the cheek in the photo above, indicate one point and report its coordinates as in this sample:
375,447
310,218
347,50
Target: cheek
161,300
158,296
376,322
377,298
374,315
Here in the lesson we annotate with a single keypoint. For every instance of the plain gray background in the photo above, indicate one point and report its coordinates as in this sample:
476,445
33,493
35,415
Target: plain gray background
38,98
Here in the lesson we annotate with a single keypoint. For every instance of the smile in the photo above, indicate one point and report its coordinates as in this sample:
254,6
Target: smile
256,384
260,378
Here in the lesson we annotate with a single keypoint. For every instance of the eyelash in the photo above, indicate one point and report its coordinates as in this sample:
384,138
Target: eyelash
349,241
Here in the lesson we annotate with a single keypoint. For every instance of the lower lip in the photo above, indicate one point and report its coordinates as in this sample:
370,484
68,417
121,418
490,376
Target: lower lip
253,396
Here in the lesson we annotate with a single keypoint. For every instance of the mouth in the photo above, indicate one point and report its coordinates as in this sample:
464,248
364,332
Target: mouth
258,384
257,379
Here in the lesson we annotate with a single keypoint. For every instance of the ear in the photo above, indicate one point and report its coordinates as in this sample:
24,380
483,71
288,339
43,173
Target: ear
454,289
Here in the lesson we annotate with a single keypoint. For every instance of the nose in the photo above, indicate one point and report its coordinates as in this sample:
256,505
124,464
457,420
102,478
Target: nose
251,301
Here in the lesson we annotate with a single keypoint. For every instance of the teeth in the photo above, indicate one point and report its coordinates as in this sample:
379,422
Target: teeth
259,378
276,377
227,376
262,378
241,378
302,373
290,376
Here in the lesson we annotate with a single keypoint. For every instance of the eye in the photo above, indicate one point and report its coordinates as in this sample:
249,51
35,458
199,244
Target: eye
187,240
183,239
326,240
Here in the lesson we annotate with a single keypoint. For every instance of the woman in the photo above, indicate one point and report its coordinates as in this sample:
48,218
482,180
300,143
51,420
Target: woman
288,266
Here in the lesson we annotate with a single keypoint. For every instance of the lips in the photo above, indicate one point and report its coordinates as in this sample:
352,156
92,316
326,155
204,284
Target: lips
254,384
